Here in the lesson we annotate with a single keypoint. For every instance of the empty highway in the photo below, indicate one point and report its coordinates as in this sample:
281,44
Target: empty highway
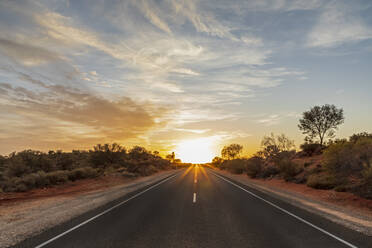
198,208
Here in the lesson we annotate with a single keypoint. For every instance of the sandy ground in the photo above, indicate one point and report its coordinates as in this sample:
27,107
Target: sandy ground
341,207
26,214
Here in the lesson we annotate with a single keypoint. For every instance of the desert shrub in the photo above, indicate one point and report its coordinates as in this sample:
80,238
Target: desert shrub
355,137
217,161
288,169
348,158
81,173
104,155
273,145
42,180
57,177
311,149
323,181
254,166
269,171
129,174
236,166
14,184
16,167
364,189
160,163
146,170
33,169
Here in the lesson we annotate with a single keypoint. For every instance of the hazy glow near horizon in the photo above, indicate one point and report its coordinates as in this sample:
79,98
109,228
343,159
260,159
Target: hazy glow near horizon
195,151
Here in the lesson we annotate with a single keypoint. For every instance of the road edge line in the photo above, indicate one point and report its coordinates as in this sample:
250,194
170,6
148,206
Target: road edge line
287,212
104,212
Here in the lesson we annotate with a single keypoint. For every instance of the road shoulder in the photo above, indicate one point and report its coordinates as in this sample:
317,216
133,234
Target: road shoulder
360,221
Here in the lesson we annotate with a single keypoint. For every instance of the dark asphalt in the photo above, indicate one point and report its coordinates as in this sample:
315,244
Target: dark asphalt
222,216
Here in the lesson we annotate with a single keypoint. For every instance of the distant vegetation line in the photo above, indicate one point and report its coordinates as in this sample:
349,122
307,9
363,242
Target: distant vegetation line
30,169
322,163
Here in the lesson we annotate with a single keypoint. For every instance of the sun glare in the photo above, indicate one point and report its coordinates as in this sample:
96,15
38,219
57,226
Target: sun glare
196,150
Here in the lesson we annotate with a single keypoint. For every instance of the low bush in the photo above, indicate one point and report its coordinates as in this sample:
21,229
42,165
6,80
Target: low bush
57,177
348,158
311,149
364,189
288,169
269,171
236,166
323,181
36,180
254,166
82,173
129,174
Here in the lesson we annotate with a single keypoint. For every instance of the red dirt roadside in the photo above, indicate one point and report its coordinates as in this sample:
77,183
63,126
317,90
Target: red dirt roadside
341,199
344,199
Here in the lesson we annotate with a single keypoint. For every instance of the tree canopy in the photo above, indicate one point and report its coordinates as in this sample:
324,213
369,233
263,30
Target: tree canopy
231,151
321,122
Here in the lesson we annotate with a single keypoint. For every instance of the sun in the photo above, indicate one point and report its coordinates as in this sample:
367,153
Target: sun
195,150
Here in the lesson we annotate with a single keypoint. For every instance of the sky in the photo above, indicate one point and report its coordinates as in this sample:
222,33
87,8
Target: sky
168,74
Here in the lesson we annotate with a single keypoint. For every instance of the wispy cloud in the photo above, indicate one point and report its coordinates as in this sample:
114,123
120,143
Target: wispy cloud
137,69
338,24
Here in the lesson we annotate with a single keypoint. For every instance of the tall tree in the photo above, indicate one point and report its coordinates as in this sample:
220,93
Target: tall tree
321,122
231,151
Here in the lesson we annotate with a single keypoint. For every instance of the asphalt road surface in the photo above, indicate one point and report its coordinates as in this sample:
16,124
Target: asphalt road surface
197,208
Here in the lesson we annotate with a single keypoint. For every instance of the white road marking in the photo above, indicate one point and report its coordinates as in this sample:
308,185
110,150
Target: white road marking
194,198
289,213
102,213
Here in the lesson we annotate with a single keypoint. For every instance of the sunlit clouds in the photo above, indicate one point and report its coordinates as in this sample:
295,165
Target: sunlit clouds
162,73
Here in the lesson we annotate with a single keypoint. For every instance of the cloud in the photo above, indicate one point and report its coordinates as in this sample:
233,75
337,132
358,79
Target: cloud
149,12
197,131
104,73
27,54
270,120
203,22
80,116
275,119
337,25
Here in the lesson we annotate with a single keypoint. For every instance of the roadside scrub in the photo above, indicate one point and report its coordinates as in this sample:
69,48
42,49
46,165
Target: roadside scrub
342,165
30,169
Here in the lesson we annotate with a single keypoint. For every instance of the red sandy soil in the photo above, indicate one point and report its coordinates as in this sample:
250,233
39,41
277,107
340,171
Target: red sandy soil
69,189
343,199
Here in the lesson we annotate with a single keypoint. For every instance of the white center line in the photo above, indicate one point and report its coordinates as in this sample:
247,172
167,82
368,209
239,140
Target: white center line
194,198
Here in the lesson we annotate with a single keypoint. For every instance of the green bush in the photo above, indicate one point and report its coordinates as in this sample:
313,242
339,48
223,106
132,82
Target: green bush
310,149
236,166
288,169
14,184
57,177
34,169
254,166
364,189
345,159
82,173
322,181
